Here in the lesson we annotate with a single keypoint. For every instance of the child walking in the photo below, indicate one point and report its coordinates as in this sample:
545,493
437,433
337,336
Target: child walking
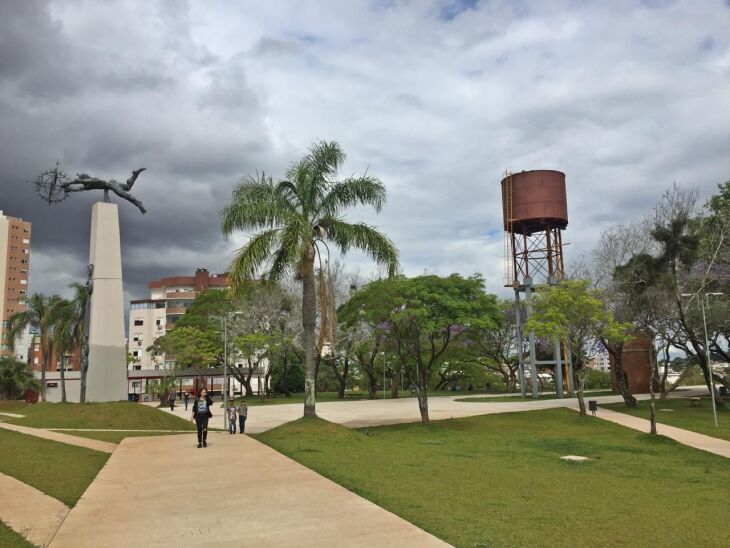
231,411
242,414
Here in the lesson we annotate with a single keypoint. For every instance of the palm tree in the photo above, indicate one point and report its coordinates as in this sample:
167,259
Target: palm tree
16,377
35,315
65,321
292,215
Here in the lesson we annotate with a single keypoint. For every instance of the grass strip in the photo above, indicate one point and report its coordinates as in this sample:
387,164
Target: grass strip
112,415
57,469
11,539
498,480
679,412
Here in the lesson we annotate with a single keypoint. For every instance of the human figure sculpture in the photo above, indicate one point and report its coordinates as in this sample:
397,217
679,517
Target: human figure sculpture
85,182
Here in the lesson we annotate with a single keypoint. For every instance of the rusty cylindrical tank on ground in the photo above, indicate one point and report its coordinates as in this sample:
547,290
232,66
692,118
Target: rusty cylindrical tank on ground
538,201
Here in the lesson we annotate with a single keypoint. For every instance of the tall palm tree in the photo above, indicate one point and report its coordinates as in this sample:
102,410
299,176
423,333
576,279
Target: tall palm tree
292,215
35,315
65,321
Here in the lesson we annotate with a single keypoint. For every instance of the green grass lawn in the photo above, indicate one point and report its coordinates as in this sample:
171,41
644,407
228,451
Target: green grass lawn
698,419
113,415
586,395
59,470
11,539
497,480
113,437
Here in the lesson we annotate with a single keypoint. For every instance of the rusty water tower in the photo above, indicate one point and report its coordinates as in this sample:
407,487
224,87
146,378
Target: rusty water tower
535,212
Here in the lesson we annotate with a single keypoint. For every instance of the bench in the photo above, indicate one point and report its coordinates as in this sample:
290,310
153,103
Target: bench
694,402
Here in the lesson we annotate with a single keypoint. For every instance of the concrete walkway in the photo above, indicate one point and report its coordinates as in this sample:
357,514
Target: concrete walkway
363,413
29,512
89,443
685,437
162,491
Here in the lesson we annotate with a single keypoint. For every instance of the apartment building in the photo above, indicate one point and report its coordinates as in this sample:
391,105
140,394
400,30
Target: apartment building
168,301
14,270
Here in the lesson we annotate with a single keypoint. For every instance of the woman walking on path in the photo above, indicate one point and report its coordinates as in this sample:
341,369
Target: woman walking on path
201,414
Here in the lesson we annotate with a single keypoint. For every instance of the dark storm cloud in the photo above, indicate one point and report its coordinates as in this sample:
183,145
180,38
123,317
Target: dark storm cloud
105,106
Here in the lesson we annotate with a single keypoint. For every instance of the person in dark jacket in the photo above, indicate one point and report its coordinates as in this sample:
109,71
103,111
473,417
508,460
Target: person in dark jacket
186,397
201,413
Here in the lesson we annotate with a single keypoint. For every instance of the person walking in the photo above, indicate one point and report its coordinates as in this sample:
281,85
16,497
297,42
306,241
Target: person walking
231,411
186,397
171,396
201,414
242,414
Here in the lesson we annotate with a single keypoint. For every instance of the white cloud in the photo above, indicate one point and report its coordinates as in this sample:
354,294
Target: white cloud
626,98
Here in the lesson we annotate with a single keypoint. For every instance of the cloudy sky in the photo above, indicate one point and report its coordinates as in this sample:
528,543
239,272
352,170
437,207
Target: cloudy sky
436,98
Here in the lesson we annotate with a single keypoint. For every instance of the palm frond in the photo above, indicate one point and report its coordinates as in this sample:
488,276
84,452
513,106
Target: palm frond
251,257
365,190
314,174
364,237
255,204
17,323
294,239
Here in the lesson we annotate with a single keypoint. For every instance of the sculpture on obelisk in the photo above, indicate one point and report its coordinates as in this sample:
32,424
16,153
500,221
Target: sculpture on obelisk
103,355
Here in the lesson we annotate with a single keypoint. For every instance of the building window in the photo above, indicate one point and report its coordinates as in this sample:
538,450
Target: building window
137,368
138,322
135,354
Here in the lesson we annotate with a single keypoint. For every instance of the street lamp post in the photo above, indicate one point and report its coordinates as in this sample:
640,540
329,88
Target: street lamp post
708,356
225,372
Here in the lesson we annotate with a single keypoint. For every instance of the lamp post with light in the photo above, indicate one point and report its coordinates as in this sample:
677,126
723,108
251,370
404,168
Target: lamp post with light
707,345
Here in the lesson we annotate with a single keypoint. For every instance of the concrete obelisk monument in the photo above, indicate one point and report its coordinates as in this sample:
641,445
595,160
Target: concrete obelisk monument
103,352
107,370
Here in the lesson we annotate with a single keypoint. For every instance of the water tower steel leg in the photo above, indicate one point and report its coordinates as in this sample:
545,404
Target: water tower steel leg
521,366
558,372
533,366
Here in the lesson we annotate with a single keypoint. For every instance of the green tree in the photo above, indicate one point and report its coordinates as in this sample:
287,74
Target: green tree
65,321
292,215
495,349
422,317
574,312
691,259
195,348
16,378
36,315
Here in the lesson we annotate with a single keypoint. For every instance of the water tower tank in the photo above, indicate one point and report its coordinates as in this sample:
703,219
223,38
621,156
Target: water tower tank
534,200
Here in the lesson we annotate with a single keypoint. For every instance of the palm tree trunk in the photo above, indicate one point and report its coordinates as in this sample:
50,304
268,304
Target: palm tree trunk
63,381
44,363
308,323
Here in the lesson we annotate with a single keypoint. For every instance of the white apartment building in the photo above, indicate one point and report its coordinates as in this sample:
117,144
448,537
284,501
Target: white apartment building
153,317
600,362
